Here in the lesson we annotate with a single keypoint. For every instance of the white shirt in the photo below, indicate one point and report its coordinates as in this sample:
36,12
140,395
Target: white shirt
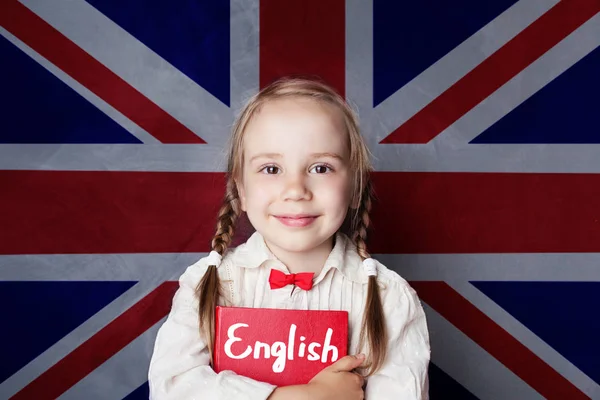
180,369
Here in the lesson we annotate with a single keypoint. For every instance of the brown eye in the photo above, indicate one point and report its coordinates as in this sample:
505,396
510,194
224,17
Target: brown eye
271,170
320,169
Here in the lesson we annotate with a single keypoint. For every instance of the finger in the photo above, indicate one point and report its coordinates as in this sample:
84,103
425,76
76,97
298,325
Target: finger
348,363
360,380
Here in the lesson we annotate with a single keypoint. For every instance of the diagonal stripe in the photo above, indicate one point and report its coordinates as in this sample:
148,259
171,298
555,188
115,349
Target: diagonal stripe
496,341
102,346
83,332
142,68
56,48
61,308
192,36
470,365
49,212
101,105
445,72
495,71
536,81
126,370
556,312
519,331
304,37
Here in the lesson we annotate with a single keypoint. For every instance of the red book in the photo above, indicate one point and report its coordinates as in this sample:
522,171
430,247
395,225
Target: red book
281,347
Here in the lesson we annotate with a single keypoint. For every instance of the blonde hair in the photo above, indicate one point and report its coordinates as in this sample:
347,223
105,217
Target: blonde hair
357,223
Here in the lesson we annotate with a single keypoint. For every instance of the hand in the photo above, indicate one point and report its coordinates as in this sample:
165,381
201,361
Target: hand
338,381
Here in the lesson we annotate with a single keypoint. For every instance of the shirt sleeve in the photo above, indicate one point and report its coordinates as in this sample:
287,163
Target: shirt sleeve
179,368
404,374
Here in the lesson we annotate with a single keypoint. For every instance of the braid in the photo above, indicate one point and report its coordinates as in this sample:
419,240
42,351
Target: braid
228,215
373,324
362,221
208,290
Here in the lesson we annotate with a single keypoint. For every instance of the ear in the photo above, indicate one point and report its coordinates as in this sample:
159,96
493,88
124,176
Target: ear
242,194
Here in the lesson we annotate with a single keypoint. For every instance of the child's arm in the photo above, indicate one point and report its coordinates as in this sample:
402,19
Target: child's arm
336,382
180,369
404,373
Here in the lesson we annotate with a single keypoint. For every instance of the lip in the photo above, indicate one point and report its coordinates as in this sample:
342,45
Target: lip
296,221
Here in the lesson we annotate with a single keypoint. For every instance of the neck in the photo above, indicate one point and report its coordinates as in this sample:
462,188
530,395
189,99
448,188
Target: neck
305,261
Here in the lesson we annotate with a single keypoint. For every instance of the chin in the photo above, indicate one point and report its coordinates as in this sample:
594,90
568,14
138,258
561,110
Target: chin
294,245
295,241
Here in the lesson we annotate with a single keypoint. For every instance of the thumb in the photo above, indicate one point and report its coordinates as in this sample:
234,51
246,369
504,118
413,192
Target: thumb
348,363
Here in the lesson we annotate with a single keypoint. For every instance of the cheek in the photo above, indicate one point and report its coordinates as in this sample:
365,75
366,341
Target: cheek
259,191
337,192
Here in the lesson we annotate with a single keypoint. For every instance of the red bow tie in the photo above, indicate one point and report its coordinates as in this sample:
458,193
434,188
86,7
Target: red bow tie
278,279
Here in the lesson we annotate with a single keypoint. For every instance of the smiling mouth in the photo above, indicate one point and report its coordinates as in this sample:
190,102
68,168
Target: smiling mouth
296,221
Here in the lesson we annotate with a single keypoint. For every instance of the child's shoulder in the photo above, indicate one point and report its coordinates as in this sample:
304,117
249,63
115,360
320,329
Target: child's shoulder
400,300
388,276
391,281
194,272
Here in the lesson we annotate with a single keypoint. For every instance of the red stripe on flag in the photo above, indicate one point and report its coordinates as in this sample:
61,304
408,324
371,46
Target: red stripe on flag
75,62
139,212
303,37
102,346
485,213
496,341
107,212
495,71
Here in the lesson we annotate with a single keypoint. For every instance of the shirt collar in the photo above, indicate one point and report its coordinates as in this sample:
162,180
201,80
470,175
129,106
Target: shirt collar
343,257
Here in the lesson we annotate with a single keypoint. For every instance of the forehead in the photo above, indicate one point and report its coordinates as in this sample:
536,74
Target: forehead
297,126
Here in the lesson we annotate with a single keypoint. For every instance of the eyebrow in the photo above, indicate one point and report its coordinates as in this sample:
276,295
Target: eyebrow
314,155
331,155
266,155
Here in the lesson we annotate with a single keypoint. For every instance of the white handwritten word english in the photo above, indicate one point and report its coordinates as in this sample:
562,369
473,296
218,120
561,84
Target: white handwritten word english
282,351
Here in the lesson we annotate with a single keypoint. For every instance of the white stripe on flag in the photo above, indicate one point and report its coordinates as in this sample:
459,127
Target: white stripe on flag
567,267
541,72
570,267
74,339
560,267
99,103
138,65
121,374
470,365
436,79
520,332
150,267
244,52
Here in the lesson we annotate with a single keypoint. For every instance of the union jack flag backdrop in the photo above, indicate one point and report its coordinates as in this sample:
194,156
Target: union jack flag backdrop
483,118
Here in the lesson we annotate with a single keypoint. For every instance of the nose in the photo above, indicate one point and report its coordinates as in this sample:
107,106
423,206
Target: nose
296,188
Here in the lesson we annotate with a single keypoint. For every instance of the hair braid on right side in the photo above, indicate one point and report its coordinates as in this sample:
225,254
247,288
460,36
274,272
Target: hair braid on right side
363,221
209,287
373,328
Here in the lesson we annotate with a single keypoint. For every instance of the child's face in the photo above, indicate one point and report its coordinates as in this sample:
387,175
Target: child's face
296,183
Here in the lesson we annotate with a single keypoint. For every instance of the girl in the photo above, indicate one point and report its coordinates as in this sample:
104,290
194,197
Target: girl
300,170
